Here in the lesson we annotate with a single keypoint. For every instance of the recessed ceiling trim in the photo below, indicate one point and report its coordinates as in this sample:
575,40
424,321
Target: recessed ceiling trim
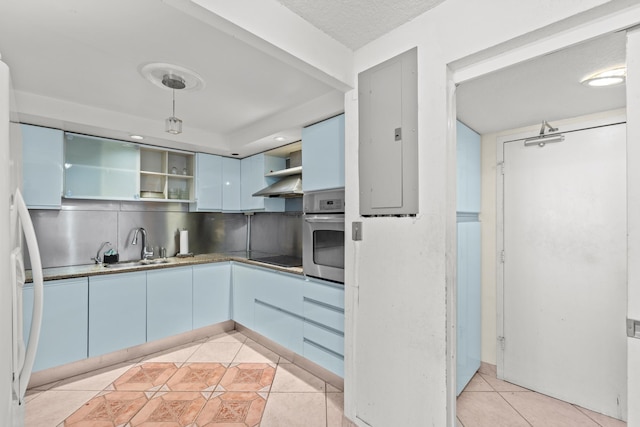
155,72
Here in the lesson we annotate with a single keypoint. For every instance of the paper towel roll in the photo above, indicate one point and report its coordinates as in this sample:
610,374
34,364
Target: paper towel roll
184,242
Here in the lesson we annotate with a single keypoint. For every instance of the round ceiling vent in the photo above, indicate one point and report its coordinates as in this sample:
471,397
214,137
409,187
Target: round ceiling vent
167,76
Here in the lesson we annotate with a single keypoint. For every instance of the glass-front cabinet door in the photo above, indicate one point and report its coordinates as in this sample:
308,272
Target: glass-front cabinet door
100,168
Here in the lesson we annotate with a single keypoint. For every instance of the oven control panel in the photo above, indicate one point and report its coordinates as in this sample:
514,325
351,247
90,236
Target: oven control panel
325,201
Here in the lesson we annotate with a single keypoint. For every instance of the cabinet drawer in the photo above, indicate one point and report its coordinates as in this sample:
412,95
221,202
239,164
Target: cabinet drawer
324,314
326,338
324,292
278,325
323,357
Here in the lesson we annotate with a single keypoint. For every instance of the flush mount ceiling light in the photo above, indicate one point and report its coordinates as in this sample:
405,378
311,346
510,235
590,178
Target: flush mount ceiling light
173,124
611,77
280,138
137,137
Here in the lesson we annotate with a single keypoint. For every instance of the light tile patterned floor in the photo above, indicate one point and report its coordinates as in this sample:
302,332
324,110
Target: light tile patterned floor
227,380
490,402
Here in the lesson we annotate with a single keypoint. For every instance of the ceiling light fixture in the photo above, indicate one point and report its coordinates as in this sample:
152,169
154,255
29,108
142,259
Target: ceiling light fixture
611,77
280,138
136,137
173,124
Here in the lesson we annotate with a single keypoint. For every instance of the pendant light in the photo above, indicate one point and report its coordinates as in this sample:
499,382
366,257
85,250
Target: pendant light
173,124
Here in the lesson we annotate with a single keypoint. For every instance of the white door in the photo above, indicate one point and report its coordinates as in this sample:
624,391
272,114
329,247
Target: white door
565,271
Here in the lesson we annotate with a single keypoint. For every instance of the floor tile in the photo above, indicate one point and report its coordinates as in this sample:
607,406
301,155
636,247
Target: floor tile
252,352
145,377
112,408
32,394
293,379
335,409
482,409
478,383
173,409
238,409
499,385
488,369
52,407
95,380
248,377
458,423
545,411
177,355
295,410
196,377
601,419
332,389
219,352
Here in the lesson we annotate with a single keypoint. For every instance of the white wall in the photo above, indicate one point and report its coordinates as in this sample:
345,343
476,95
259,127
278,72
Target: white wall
413,258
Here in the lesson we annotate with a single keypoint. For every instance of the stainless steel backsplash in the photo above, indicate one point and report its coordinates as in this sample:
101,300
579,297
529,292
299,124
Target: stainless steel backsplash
72,235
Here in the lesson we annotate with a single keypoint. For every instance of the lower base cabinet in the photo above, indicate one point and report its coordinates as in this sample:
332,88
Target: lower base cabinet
211,294
117,312
169,302
278,325
63,337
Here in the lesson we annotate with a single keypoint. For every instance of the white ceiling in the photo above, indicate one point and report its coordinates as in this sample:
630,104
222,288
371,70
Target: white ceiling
355,23
83,56
545,88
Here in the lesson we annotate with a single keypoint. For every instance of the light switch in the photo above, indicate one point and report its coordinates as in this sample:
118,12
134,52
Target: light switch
356,231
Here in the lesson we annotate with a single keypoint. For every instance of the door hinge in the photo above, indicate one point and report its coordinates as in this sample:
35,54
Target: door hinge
502,257
633,328
501,166
501,341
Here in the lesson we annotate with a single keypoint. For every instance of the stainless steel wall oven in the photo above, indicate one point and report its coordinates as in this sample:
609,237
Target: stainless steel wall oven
323,235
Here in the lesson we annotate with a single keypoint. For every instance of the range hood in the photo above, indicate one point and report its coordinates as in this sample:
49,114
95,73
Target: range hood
289,186
291,183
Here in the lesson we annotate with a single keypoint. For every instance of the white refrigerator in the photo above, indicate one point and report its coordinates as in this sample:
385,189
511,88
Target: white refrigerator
16,234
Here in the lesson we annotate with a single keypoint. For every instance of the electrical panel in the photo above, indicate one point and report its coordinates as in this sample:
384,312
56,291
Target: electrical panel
388,147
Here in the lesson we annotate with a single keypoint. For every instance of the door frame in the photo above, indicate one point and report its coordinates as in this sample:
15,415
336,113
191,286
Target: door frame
555,37
568,125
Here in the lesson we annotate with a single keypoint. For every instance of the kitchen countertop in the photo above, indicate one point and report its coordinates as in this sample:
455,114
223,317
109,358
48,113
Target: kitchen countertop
74,271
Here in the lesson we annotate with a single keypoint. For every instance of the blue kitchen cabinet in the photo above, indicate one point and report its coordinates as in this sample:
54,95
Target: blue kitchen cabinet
117,312
323,304
231,185
468,345
468,169
323,155
211,294
169,302
42,160
252,171
278,308
63,337
208,183
245,280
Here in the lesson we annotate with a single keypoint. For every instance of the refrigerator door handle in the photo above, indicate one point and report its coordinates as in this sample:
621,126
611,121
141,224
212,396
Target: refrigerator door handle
24,219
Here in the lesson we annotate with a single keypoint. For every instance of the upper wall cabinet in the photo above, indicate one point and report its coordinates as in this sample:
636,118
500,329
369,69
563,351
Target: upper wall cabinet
166,175
468,169
323,155
99,168
231,192
253,170
208,183
42,159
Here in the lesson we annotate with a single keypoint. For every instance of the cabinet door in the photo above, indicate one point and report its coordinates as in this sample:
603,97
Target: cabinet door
323,155
117,312
244,285
211,294
99,168
252,171
63,337
280,290
278,325
42,159
230,184
468,169
208,183
468,344
169,302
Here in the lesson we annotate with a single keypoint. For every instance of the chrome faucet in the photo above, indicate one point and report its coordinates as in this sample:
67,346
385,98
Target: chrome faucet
97,258
144,254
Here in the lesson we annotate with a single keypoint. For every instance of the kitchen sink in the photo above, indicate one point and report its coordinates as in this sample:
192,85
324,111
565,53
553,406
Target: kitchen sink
129,264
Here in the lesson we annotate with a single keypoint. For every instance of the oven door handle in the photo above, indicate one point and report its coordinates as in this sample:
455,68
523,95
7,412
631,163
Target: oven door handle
331,219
